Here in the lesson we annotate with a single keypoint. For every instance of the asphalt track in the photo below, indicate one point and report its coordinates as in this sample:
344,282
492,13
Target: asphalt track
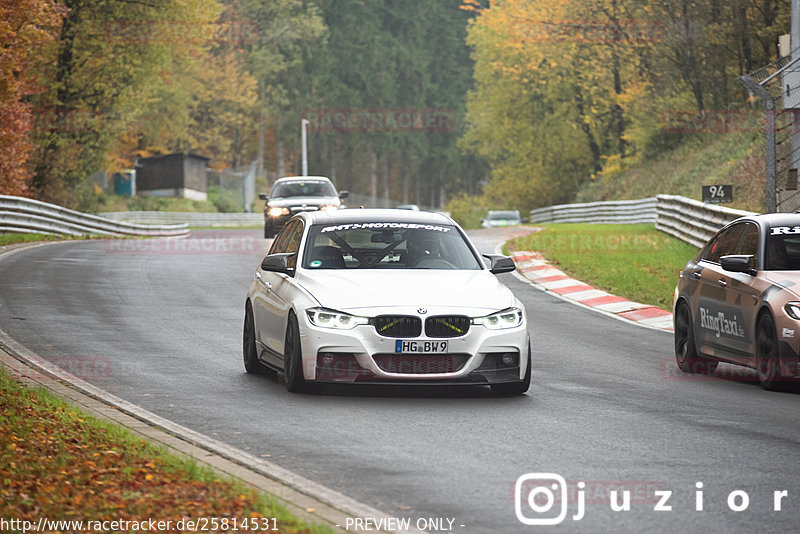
159,325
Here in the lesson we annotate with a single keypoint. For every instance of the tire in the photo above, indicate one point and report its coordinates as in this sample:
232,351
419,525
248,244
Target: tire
251,363
685,349
515,388
768,365
293,358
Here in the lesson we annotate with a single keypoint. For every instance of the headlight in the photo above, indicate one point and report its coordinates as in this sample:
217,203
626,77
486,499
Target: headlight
333,319
328,207
504,319
792,309
277,212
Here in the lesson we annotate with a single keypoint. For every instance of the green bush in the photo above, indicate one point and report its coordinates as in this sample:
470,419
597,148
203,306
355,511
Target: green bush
467,210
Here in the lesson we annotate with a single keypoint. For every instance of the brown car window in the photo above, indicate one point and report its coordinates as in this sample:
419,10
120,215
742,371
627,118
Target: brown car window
724,243
748,244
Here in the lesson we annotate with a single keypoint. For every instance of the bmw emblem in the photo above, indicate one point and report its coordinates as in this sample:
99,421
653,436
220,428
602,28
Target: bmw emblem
422,311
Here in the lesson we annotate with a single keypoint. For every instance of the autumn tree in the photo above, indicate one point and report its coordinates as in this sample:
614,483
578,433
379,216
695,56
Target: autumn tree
570,91
26,28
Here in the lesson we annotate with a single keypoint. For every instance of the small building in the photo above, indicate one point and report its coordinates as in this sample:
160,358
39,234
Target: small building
173,175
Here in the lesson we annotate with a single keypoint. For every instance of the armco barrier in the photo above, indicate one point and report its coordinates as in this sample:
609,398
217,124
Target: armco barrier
191,219
689,220
692,221
25,215
615,211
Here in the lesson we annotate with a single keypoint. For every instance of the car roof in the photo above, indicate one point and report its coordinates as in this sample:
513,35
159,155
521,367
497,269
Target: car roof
356,215
772,219
303,179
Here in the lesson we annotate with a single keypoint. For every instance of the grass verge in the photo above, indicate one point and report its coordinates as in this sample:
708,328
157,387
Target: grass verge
701,159
12,239
634,261
60,464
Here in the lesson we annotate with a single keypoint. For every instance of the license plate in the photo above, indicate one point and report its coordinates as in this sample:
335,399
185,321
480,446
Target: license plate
417,347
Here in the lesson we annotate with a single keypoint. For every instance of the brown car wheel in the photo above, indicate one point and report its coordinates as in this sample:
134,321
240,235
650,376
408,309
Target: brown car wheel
685,349
769,369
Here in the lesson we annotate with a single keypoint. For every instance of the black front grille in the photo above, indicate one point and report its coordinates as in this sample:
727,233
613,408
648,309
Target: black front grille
421,364
447,326
298,209
398,325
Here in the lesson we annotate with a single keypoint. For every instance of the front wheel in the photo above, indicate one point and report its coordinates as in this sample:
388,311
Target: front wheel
251,363
515,388
769,369
685,349
293,358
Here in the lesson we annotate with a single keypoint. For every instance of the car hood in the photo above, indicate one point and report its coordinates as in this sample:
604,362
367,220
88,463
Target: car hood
789,280
301,201
351,290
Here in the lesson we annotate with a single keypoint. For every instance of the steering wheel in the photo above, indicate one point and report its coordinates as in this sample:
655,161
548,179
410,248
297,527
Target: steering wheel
434,263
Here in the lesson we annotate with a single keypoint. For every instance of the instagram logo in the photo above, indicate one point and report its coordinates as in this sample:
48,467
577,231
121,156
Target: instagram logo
540,491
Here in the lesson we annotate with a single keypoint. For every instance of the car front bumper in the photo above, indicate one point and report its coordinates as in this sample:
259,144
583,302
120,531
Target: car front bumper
362,355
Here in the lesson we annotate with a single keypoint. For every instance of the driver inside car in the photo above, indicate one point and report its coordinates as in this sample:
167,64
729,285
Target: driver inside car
420,244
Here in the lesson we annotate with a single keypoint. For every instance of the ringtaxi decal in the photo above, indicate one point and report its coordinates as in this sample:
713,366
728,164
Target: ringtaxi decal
720,323
380,225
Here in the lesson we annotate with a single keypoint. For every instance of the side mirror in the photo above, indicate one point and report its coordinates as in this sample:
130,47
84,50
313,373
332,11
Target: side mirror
263,196
738,263
344,194
500,264
278,263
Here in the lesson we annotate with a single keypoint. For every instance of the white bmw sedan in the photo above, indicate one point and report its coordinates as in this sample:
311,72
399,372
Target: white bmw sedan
384,296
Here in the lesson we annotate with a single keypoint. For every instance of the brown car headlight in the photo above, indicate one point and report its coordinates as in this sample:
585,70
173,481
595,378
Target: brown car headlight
792,309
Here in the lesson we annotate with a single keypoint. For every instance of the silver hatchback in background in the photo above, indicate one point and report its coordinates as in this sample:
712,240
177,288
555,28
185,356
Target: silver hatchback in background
501,218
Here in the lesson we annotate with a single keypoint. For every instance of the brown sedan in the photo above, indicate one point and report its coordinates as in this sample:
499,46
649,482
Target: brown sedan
738,301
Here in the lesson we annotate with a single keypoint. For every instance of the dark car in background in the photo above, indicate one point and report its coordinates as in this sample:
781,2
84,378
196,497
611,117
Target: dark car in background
295,194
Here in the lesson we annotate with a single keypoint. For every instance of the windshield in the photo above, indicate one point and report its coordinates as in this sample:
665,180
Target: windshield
382,245
783,253
303,189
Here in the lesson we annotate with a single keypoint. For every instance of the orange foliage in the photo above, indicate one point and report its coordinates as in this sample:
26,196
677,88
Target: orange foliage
25,26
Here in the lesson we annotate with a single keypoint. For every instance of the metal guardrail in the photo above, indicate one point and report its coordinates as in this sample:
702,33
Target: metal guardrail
25,215
188,218
687,219
614,211
691,220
